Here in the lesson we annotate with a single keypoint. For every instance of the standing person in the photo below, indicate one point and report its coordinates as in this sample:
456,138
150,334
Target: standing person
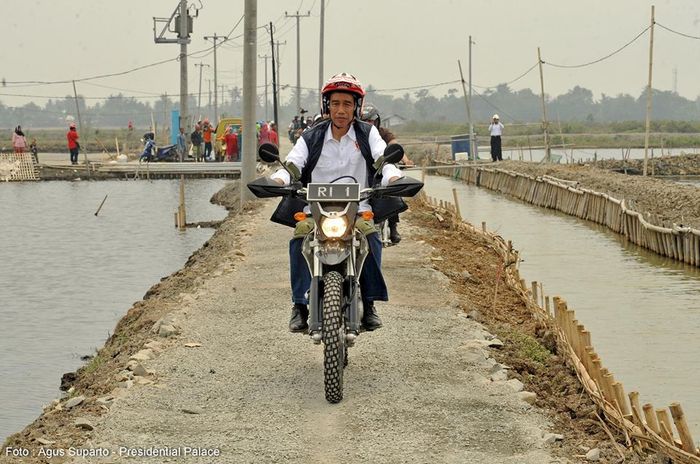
73,145
34,150
496,130
181,142
196,139
264,134
371,115
206,135
230,139
274,138
19,141
293,126
340,146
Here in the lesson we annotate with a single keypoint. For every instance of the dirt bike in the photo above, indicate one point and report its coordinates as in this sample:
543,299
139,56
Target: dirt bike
335,253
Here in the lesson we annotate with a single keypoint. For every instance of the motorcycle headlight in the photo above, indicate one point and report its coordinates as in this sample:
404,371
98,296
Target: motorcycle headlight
334,227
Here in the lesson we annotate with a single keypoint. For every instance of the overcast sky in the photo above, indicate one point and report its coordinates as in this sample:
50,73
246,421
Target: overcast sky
390,44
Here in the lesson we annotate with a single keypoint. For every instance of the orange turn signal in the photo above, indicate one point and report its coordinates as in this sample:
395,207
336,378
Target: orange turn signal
299,216
367,215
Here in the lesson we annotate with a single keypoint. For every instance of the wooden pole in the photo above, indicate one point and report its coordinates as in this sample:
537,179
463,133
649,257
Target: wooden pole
687,442
457,210
665,425
545,124
181,209
648,120
535,294
100,207
650,417
483,226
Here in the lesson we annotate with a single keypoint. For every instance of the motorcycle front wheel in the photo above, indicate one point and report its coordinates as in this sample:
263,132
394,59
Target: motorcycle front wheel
334,350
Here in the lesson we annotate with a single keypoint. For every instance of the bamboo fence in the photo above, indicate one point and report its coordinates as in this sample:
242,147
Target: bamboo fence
679,243
644,427
17,167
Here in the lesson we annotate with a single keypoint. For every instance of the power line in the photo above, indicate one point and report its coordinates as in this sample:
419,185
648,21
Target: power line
600,59
676,32
509,82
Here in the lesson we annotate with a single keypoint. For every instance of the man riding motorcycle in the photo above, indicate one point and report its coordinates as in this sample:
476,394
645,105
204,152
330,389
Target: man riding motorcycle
339,148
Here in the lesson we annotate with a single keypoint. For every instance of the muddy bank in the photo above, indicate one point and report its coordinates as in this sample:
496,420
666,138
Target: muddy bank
665,201
527,352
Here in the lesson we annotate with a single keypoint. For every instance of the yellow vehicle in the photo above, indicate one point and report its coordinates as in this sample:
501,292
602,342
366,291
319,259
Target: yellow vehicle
220,146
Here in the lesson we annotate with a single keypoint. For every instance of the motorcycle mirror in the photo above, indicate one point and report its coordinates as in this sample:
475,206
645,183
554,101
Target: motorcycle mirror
269,152
393,153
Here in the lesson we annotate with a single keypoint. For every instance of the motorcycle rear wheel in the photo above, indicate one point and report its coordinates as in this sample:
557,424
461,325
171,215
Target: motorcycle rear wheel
334,349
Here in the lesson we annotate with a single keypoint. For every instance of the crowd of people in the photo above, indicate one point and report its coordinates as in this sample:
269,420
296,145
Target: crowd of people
204,135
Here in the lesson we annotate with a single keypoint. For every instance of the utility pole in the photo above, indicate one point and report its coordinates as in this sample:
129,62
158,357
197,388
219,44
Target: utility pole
545,124
277,57
466,100
199,95
209,104
274,80
223,96
298,17
181,22
320,52
648,123
472,152
215,38
250,39
265,57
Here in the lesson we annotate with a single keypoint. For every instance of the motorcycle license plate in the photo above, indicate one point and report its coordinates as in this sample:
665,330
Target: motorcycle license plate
333,192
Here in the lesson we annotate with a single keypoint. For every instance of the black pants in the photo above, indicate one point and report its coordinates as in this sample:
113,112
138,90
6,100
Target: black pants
74,155
496,154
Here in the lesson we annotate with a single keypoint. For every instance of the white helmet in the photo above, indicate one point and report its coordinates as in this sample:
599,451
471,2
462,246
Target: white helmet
495,116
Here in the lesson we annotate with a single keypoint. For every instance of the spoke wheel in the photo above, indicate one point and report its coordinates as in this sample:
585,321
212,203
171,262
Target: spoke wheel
334,348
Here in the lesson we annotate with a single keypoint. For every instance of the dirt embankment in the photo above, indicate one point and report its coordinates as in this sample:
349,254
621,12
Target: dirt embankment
472,269
665,201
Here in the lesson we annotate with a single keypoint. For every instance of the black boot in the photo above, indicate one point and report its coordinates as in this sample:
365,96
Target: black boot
370,318
394,235
298,321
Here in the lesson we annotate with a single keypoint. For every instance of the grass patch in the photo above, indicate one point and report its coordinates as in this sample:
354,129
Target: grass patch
528,347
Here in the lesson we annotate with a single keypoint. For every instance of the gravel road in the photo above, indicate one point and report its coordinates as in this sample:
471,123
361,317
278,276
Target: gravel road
417,390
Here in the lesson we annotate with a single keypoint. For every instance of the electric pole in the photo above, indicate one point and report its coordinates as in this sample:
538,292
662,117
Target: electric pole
274,79
199,95
265,57
320,52
298,17
215,38
545,124
180,22
472,152
277,57
649,89
250,39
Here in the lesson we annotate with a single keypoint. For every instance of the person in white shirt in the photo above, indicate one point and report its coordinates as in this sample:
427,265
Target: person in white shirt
496,130
342,145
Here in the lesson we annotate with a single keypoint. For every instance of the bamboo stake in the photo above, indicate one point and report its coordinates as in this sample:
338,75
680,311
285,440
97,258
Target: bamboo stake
687,443
535,295
458,212
100,207
636,408
546,305
665,425
650,418
483,226
620,395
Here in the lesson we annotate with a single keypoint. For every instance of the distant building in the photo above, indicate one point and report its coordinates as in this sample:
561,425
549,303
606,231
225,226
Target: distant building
393,120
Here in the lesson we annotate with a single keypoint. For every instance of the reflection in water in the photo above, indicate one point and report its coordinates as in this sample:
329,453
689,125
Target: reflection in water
642,309
68,276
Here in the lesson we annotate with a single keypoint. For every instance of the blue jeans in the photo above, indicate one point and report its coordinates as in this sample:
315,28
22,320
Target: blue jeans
372,283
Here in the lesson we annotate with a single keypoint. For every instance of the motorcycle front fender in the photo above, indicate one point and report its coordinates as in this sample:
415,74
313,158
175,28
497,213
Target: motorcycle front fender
332,253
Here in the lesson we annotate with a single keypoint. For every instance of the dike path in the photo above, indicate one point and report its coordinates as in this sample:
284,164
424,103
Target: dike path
417,390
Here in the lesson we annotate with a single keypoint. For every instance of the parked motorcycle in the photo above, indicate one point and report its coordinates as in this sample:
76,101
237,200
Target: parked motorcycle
335,253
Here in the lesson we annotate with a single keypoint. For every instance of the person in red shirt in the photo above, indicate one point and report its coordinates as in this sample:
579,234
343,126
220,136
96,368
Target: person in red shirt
73,145
274,138
230,138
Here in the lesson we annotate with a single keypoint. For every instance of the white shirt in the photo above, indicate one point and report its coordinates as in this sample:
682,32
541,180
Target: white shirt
340,158
496,128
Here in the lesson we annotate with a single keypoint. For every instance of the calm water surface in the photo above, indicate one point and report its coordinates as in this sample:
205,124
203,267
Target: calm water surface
67,276
643,310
